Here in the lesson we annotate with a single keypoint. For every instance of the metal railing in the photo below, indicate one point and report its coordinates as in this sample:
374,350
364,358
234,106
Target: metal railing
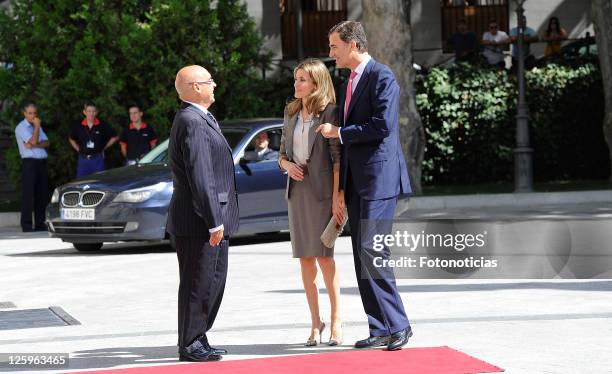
477,14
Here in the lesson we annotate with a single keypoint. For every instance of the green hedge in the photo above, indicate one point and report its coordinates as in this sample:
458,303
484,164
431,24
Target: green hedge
469,117
116,54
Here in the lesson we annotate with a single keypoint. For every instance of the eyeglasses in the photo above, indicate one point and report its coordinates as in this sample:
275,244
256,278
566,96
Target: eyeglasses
209,82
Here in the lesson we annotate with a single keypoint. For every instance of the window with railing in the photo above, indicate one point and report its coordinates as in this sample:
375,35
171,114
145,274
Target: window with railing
317,17
477,14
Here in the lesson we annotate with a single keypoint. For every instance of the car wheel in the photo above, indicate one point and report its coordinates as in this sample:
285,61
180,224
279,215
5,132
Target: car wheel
87,247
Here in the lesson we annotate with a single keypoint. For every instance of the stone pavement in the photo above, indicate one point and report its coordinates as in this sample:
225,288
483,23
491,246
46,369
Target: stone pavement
125,299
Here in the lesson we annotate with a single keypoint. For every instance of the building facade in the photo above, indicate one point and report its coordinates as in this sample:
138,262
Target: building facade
432,23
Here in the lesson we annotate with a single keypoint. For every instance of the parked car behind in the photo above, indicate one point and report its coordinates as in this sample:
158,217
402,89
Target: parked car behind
131,203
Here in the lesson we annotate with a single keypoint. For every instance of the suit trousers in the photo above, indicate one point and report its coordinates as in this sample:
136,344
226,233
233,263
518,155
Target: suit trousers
34,193
381,300
203,271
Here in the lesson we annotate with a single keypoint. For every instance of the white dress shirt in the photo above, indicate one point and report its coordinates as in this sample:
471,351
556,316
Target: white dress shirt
359,70
300,140
261,152
198,106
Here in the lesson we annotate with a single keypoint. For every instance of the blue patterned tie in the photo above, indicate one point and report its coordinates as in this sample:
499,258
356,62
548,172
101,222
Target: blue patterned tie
214,120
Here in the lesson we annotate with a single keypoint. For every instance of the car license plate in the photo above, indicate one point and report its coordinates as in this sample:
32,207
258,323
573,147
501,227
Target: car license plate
79,214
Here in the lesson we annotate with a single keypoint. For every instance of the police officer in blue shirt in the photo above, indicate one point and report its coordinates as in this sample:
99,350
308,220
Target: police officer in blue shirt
90,139
32,143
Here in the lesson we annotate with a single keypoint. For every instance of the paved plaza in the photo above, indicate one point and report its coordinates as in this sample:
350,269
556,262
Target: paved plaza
124,298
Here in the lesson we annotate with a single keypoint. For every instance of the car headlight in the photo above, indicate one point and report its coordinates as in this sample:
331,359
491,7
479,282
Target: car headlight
138,195
55,196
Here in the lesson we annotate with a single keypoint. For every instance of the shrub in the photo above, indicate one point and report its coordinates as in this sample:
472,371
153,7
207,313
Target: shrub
466,112
469,117
567,111
62,53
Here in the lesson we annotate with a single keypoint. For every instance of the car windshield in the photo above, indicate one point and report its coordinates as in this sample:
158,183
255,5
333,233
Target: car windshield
159,154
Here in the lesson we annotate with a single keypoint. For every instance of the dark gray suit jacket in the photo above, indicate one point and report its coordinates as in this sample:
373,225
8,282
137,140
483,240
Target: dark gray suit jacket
202,167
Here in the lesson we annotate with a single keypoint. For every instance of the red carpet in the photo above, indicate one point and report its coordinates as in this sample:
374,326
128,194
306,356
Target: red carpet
434,360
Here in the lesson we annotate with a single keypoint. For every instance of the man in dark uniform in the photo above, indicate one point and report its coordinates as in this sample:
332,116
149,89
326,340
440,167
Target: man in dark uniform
90,139
138,138
32,142
203,211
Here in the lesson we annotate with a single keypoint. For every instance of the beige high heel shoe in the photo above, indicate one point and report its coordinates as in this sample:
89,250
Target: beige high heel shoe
312,341
338,340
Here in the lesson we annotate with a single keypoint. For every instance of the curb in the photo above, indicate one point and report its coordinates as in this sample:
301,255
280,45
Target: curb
514,200
10,219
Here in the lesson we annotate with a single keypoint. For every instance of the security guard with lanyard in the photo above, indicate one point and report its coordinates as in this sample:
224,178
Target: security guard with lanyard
90,139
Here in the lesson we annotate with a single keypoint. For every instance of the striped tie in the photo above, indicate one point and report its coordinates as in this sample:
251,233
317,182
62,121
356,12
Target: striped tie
214,120
349,93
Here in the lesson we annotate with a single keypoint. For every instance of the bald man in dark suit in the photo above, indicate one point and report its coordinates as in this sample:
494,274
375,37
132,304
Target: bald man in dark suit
203,212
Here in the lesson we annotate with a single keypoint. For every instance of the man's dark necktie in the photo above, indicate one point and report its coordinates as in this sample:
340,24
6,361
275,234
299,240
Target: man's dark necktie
214,121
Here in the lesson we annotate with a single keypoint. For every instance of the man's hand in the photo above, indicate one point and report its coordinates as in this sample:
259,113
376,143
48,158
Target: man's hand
216,237
294,170
328,130
27,145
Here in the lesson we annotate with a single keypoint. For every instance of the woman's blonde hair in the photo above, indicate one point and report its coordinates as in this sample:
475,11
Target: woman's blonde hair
323,93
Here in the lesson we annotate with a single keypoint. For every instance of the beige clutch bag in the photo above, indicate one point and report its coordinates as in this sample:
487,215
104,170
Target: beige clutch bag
333,231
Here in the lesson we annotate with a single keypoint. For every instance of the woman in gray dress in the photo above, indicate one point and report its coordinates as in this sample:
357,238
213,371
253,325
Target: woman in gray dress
313,165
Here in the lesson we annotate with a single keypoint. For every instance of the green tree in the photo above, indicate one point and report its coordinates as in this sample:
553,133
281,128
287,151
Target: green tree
601,11
118,53
382,18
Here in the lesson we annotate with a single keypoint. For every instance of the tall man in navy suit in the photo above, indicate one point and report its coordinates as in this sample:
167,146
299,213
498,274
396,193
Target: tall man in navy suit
203,211
373,174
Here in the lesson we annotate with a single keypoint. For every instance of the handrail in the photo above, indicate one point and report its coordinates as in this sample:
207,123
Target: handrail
584,38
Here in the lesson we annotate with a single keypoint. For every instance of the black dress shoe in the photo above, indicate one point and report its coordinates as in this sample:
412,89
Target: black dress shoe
196,352
372,341
399,339
217,351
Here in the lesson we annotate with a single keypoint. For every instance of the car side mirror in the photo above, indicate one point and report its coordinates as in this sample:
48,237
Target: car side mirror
244,165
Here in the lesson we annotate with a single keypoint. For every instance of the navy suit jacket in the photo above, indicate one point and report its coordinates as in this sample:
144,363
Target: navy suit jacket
372,152
202,165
